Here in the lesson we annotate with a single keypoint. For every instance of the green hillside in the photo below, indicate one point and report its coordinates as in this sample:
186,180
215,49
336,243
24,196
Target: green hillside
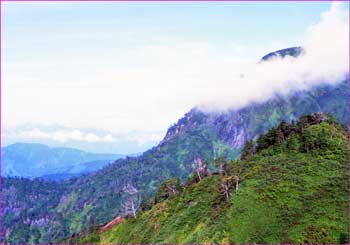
292,189
94,199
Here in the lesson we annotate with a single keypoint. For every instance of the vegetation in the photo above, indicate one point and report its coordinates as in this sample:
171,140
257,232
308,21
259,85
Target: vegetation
292,189
94,199
48,162
27,208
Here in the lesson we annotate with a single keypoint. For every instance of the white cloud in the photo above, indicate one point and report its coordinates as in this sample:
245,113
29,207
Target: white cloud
60,136
144,138
326,60
148,87
87,139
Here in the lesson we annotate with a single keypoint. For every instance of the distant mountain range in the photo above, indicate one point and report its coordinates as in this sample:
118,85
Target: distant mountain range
38,160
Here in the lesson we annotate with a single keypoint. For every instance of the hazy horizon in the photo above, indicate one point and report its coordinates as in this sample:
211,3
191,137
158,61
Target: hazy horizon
119,74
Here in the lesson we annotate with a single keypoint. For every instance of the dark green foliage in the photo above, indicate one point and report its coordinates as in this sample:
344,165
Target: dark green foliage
301,135
167,189
293,143
28,208
321,138
97,198
248,150
275,136
343,238
222,165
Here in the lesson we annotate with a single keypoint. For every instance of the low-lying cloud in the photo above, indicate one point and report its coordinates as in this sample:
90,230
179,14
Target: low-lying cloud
150,84
325,61
63,135
85,139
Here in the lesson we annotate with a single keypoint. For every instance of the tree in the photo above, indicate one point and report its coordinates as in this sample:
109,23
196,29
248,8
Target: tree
293,143
267,140
221,165
168,188
132,202
226,186
236,178
315,118
236,171
248,150
343,238
200,168
147,204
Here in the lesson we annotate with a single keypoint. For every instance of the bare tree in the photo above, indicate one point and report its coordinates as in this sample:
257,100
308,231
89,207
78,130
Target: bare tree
130,206
130,189
236,177
222,165
172,188
167,189
226,186
200,168
132,201
236,173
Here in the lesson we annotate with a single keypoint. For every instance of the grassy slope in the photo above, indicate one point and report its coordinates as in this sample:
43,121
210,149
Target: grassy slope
144,172
287,195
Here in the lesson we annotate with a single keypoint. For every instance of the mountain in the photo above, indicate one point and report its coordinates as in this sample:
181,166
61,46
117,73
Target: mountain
97,198
293,52
291,189
35,160
76,170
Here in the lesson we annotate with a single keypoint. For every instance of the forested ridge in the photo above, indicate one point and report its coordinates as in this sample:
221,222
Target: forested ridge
290,186
194,144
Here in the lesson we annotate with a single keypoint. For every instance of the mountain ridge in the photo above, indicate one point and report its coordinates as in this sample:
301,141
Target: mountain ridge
98,197
290,188
282,53
45,160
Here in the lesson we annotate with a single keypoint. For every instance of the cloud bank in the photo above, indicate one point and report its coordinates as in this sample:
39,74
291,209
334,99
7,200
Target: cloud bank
81,82
325,61
86,139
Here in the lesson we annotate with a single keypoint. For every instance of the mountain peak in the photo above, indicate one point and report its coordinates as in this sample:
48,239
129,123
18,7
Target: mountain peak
293,51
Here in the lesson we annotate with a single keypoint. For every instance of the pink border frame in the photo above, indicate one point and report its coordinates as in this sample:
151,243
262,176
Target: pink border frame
165,1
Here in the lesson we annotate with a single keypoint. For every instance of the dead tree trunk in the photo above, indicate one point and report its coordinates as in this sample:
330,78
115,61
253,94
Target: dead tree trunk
237,183
130,205
200,168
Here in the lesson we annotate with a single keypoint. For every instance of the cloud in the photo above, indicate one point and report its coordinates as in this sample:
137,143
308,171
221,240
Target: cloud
147,86
144,138
60,136
91,140
325,61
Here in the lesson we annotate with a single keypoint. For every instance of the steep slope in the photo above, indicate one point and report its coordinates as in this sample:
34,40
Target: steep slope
26,206
35,160
196,134
293,190
235,127
97,198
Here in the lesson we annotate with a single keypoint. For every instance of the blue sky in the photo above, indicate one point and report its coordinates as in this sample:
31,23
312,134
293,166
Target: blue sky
113,76
252,24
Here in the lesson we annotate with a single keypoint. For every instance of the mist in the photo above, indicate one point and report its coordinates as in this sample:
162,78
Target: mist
325,61
137,83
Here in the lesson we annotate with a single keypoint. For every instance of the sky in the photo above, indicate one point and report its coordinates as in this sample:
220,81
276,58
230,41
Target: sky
113,76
